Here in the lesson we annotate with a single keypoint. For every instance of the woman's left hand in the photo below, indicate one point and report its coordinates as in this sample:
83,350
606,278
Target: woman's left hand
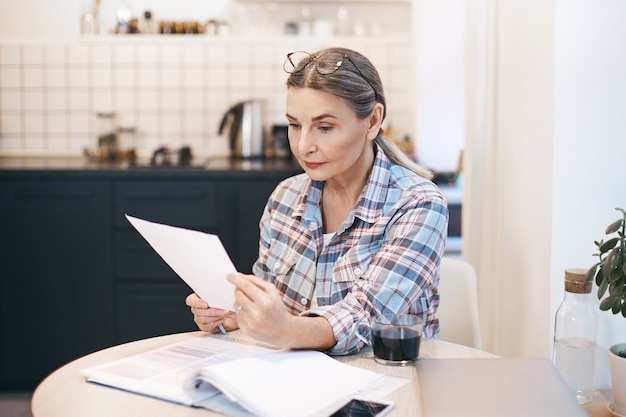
260,310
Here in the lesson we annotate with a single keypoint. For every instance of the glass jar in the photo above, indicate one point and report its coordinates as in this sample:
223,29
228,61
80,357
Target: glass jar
575,336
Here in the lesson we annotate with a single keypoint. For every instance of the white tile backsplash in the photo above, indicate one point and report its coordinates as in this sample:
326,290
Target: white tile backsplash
11,122
78,53
55,54
10,100
10,76
34,100
32,76
55,76
33,54
174,91
57,99
10,54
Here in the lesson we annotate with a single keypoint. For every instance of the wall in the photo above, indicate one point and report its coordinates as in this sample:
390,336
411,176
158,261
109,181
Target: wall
589,144
439,121
174,90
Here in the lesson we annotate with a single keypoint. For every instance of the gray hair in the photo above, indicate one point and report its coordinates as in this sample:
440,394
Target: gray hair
360,86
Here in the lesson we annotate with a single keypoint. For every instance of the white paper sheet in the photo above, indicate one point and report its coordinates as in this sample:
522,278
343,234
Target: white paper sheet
288,383
198,258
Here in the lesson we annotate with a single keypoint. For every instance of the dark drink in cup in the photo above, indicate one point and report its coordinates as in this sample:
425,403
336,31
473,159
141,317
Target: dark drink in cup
396,344
395,338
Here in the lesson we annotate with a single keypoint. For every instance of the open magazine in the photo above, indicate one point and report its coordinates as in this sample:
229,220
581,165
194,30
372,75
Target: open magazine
241,380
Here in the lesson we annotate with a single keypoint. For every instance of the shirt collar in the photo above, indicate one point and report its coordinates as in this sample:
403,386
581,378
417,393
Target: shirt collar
374,195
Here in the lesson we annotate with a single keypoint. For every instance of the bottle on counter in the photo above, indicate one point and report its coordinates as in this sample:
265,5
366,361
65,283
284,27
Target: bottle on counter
89,24
124,17
147,23
575,336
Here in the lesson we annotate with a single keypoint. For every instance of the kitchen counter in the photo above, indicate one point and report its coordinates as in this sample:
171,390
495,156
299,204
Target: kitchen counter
210,166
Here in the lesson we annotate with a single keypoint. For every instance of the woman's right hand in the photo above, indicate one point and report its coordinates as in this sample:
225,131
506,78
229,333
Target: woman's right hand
207,318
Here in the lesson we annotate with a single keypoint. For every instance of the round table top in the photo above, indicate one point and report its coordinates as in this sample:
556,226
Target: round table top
65,393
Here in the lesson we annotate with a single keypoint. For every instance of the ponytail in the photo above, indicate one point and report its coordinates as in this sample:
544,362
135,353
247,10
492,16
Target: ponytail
398,157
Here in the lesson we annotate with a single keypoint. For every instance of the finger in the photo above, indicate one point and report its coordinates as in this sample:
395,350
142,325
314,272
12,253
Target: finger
248,288
215,313
211,326
246,279
193,300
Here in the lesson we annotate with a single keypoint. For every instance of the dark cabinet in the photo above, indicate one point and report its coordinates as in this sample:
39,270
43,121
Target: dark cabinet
76,277
55,275
182,203
243,206
152,308
150,297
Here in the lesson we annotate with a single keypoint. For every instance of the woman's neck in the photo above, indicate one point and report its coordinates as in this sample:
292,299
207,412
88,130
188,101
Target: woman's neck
340,194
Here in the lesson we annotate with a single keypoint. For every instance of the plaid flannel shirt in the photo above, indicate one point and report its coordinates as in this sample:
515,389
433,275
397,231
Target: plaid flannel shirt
384,258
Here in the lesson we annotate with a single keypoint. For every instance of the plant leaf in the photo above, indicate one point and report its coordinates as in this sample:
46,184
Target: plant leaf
599,277
606,270
614,227
608,245
616,288
617,307
591,272
606,304
624,309
602,288
615,275
616,257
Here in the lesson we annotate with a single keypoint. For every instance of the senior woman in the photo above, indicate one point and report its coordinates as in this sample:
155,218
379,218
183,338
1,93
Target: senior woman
360,232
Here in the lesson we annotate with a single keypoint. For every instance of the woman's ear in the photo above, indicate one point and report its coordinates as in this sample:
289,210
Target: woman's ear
375,121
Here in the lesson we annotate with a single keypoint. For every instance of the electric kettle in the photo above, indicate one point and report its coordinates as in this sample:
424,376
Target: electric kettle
244,125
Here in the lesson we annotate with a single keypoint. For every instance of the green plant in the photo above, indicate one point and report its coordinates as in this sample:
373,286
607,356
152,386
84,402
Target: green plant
610,270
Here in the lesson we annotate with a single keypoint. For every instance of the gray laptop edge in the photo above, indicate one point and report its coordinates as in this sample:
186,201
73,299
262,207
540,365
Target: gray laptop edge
507,387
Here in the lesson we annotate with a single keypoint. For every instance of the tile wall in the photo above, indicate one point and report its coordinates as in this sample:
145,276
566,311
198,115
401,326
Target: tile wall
173,91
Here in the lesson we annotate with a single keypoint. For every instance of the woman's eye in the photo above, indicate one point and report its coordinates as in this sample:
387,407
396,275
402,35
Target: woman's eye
294,126
325,128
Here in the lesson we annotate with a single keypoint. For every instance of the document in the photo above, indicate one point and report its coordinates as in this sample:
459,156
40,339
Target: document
238,379
198,258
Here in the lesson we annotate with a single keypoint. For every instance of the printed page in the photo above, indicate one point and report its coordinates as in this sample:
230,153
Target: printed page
198,258
287,383
169,372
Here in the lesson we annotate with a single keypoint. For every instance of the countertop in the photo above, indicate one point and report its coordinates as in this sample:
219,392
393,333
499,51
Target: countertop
216,166
82,166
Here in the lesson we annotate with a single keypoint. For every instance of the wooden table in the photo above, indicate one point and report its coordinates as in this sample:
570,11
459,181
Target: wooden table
65,393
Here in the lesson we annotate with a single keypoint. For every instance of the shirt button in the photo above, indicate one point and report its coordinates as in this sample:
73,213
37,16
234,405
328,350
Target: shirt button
304,301
312,226
276,265
357,271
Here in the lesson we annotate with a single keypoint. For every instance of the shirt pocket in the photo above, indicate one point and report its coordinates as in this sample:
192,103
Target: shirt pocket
281,259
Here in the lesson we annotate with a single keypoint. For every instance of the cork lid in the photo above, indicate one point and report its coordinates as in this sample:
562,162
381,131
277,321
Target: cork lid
575,281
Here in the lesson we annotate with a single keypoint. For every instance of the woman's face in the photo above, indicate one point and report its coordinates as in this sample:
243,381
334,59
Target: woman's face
325,135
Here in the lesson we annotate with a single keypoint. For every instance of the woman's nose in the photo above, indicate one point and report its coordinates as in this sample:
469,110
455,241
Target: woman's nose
305,143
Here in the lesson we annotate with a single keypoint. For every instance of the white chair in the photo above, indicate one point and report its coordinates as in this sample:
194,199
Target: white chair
458,306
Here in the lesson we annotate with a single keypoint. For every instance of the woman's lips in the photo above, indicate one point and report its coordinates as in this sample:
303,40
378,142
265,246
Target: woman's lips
313,165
